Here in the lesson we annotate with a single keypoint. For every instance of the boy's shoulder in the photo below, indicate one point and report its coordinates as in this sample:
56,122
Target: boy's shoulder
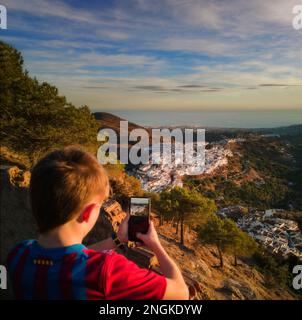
18,249
22,244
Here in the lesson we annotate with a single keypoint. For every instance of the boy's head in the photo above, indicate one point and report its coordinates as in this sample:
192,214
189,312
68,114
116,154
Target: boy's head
67,185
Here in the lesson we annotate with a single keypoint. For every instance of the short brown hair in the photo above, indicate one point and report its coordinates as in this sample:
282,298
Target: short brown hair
61,183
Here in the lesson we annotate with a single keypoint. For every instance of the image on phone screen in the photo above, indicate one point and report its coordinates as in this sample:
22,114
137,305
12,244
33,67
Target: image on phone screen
139,206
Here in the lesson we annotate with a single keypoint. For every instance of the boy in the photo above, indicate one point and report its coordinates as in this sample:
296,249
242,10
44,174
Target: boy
67,190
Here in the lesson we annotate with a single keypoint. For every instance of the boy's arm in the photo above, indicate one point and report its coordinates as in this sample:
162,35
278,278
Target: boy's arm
176,286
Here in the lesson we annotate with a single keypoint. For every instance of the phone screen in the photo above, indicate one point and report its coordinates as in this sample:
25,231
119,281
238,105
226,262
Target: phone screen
139,206
139,217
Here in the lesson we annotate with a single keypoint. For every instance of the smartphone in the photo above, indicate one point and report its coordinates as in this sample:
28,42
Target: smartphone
139,210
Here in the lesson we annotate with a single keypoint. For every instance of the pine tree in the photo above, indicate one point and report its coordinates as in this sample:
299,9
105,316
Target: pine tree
187,207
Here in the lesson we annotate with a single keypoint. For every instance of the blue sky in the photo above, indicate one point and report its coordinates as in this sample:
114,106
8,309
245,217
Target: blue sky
166,54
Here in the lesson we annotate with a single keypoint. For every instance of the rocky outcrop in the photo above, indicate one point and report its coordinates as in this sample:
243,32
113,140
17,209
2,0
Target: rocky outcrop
238,290
18,177
16,221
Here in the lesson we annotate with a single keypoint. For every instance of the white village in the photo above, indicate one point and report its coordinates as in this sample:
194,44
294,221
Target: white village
280,236
157,177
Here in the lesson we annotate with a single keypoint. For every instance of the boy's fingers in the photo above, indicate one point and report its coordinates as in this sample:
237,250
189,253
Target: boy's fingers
151,226
140,235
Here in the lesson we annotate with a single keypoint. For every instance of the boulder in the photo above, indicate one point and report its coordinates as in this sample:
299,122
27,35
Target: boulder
238,290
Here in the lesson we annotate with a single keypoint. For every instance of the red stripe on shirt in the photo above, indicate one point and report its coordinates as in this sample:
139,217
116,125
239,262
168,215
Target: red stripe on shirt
65,276
18,273
93,269
40,287
12,254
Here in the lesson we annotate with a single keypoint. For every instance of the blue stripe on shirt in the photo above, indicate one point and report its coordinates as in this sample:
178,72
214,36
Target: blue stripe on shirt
28,278
53,285
15,259
79,277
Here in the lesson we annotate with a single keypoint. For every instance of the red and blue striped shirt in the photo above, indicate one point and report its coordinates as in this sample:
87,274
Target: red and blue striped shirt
76,272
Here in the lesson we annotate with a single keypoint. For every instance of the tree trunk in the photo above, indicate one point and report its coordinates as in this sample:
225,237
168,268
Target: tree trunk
220,257
235,260
176,230
161,220
172,222
182,230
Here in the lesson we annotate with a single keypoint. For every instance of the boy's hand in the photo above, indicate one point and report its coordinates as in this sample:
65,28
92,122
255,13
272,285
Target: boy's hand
123,229
150,239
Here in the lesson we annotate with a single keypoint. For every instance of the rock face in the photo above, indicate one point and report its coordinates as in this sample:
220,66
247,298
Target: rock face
204,268
18,177
16,221
238,290
109,220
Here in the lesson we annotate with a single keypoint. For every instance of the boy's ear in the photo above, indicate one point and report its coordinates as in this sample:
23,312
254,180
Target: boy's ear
86,213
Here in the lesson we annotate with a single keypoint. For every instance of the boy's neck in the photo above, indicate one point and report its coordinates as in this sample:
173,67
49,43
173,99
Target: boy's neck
62,236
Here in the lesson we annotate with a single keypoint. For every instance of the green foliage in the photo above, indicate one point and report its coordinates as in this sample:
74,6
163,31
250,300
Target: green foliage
214,232
114,171
264,196
164,206
34,117
275,273
123,185
188,207
227,237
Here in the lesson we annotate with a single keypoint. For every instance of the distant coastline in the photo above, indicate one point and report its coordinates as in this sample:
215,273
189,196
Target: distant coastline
244,119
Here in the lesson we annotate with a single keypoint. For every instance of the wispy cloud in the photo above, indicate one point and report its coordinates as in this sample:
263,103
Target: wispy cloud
279,85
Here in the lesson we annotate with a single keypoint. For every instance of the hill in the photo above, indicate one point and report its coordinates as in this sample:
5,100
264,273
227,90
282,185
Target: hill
282,131
112,121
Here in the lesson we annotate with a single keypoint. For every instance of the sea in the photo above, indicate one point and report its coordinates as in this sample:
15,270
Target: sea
213,118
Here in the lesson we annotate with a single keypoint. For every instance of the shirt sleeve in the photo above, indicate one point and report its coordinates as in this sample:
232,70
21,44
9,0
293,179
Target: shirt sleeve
124,280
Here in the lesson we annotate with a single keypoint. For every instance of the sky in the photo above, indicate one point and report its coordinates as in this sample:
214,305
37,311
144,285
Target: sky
162,54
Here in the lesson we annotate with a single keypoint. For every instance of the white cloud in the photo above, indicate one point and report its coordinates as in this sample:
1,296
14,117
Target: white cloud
210,46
